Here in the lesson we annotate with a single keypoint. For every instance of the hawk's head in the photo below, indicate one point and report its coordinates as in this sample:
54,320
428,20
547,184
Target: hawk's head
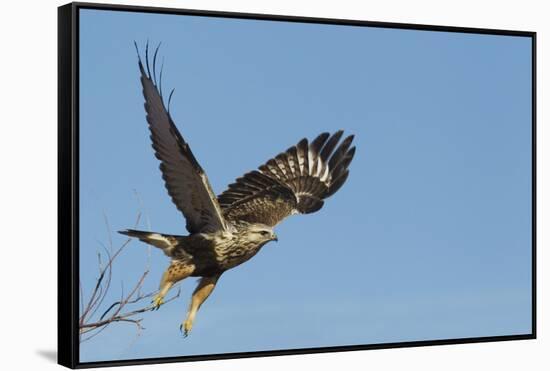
259,234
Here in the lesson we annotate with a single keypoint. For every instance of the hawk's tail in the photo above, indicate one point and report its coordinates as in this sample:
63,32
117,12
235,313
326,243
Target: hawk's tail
165,242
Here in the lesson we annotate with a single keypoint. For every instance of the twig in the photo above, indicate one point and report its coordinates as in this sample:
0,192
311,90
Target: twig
116,312
125,316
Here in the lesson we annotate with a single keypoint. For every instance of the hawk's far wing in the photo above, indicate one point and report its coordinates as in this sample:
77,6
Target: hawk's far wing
184,178
295,181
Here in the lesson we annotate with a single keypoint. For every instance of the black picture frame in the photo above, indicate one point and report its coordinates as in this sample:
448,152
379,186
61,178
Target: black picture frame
68,182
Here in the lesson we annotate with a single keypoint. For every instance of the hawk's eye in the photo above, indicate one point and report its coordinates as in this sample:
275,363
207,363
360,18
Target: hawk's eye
264,233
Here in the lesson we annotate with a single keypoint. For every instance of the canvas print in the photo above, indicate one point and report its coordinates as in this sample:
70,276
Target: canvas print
252,185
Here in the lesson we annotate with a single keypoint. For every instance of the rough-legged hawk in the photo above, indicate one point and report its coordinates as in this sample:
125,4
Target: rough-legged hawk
229,229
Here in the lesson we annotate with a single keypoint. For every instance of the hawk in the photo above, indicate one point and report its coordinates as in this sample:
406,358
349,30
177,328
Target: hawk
229,229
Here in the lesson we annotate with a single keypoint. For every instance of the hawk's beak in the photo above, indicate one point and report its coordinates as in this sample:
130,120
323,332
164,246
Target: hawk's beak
274,238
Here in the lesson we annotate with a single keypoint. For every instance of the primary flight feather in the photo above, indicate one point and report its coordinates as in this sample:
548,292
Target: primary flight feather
229,229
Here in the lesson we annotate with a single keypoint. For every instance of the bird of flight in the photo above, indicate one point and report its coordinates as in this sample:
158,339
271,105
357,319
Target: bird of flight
229,229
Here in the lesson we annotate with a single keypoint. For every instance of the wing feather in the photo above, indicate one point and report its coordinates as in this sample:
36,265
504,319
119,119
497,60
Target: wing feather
295,181
184,178
315,149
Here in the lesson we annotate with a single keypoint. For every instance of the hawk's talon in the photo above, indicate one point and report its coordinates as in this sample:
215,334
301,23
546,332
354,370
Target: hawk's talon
183,331
157,302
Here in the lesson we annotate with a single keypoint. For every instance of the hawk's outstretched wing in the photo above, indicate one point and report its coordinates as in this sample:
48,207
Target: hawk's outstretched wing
295,181
184,178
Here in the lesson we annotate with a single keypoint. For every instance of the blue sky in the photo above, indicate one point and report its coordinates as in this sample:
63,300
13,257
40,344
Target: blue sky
430,238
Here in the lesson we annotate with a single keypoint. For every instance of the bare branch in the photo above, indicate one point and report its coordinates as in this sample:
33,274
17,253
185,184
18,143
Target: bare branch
118,311
109,233
117,318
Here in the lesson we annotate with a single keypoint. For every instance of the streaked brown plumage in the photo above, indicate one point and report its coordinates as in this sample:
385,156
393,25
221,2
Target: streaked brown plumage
228,230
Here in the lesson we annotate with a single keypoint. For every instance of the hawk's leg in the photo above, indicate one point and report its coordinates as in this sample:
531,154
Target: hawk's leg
201,293
177,271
